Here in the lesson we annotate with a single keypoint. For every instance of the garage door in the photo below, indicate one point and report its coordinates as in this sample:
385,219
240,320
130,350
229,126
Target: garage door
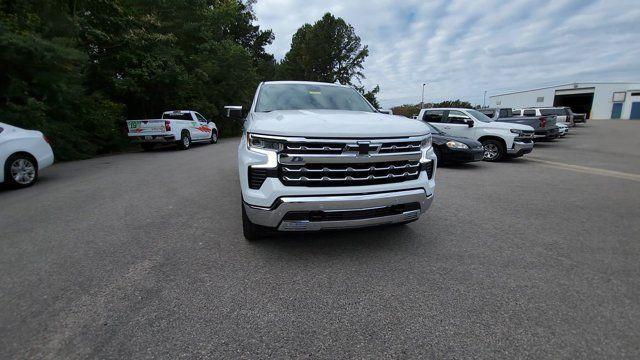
579,100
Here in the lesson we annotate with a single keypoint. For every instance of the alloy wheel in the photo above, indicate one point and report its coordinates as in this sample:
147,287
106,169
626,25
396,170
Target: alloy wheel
490,151
23,171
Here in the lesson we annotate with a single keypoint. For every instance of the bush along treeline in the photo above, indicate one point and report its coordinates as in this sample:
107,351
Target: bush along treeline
76,70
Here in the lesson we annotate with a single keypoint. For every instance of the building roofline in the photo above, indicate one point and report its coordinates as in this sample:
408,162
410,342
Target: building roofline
555,86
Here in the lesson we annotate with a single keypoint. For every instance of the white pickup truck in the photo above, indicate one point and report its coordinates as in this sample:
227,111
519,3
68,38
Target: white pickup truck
499,139
317,156
181,127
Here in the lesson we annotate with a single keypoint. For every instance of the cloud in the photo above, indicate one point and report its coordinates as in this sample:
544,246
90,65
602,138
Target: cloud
462,48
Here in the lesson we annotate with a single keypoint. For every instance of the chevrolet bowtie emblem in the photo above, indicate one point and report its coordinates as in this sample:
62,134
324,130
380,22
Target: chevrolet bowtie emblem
364,148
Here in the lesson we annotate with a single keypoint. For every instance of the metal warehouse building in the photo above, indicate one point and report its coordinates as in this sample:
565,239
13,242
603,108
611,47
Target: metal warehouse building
597,100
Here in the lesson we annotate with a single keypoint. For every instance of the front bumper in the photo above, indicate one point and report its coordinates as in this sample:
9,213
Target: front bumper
520,148
462,155
340,211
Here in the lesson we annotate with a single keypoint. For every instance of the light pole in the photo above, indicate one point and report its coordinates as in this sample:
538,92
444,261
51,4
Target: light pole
422,102
484,98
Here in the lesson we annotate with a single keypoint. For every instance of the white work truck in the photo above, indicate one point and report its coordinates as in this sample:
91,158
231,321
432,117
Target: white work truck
181,127
317,156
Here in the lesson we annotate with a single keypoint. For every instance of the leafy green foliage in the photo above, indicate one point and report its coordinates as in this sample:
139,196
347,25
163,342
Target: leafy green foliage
370,95
328,51
77,69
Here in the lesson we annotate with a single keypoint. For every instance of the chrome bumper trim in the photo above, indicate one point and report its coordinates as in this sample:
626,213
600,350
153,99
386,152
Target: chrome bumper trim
272,217
520,146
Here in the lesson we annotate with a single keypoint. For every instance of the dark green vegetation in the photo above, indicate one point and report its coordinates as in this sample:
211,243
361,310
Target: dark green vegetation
77,69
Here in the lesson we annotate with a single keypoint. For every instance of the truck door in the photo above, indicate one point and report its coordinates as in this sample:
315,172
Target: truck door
202,129
457,124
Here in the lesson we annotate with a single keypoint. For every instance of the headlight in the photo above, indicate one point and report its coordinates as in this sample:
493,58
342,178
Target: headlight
452,144
426,143
516,131
265,143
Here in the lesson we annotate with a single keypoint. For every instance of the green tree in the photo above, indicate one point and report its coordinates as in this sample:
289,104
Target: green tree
77,69
370,95
454,104
328,51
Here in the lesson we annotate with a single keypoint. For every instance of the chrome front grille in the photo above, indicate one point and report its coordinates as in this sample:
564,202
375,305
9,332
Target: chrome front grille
396,147
337,146
348,162
349,174
313,148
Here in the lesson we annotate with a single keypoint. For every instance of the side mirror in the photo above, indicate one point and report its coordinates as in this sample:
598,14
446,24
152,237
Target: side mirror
386,111
469,122
233,112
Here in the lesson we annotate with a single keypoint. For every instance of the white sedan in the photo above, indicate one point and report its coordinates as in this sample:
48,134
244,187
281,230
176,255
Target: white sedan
23,153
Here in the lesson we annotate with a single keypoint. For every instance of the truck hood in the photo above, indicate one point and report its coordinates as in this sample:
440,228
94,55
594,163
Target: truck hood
333,123
507,126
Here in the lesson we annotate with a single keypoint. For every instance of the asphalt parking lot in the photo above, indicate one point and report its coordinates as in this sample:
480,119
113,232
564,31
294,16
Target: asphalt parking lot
141,255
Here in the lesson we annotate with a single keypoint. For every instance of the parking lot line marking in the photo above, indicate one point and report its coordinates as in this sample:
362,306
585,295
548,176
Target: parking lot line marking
589,170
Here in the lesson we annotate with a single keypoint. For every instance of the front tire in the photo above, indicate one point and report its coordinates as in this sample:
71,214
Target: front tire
251,231
21,171
493,150
185,141
214,137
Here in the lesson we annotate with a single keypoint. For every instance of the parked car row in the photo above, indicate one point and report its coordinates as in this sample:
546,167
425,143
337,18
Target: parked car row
498,139
317,156
496,129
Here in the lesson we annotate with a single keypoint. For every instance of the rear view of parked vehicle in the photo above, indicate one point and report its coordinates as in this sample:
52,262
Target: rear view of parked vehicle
181,127
544,126
23,153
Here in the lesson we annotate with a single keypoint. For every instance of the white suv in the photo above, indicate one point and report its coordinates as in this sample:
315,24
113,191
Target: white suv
318,156
500,139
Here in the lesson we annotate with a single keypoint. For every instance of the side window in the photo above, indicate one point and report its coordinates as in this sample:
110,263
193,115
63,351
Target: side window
457,117
504,113
434,116
200,117
529,112
517,112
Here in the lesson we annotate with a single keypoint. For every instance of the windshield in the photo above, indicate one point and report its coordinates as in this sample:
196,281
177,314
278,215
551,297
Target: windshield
309,96
478,115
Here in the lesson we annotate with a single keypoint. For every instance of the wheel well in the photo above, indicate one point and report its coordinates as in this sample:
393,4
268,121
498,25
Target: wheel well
24,153
501,140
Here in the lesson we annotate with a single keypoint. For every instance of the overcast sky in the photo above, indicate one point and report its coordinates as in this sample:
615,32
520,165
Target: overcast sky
462,48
